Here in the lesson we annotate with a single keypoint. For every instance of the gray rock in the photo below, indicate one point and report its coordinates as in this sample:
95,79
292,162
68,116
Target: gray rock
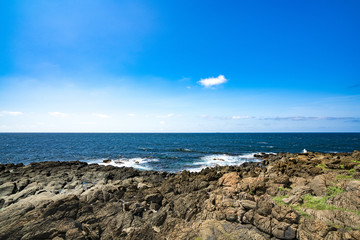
247,204
7,189
154,198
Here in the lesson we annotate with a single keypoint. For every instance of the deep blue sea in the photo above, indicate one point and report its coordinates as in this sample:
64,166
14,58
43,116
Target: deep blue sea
165,151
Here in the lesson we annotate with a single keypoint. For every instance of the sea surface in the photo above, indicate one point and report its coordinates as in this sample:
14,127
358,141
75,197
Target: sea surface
165,151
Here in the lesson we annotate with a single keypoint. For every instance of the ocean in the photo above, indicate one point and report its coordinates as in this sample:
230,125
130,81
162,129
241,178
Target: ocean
170,152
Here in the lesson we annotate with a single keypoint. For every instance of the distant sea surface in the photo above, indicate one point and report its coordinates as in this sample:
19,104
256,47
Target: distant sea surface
165,151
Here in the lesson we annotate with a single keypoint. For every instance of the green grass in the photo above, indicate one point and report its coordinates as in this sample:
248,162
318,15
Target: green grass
352,171
300,211
333,191
322,166
344,177
317,203
356,161
284,189
278,199
342,166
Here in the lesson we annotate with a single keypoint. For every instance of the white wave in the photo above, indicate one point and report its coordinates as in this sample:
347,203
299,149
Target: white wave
221,160
138,163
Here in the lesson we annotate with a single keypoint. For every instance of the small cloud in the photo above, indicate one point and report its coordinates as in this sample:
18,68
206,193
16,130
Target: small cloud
7,113
162,122
185,79
300,118
57,114
166,116
100,115
87,123
240,117
131,114
210,82
188,87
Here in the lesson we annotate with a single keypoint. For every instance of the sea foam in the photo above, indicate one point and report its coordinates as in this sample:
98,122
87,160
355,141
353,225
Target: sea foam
221,160
138,163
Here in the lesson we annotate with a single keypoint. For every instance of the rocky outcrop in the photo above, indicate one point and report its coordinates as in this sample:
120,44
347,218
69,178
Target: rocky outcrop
286,196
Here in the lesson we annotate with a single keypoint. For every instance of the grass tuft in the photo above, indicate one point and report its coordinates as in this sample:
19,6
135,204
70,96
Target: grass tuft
344,177
333,191
322,166
278,199
317,203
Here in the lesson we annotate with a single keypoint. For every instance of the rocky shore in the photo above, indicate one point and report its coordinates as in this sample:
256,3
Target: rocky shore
286,196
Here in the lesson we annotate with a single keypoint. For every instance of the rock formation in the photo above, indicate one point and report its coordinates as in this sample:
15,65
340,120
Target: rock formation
286,196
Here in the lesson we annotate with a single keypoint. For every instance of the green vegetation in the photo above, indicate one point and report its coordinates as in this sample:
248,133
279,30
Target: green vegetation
314,202
300,211
341,177
356,161
342,166
284,189
278,199
344,177
334,225
333,191
322,166
317,203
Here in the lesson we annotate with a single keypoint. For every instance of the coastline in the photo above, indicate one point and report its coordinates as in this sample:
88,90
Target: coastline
285,196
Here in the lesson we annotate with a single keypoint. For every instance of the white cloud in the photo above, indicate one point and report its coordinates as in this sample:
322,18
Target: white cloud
7,113
210,82
166,116
240,117
131,114
162,122
100,115
57,114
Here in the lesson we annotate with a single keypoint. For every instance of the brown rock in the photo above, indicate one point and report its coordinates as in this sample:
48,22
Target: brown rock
318,185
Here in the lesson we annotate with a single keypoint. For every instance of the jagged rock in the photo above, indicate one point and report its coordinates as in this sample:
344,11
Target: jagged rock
247,204
318,185
73,200
154,198
7,189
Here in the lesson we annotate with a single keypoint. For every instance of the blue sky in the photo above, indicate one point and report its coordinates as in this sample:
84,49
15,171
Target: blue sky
179,66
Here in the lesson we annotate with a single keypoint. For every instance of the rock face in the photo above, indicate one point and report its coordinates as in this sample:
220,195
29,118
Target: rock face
286,196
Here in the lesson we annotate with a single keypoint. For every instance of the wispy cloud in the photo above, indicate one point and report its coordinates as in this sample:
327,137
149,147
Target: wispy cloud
131,114
290,118
58,114
7,113
225,117
240,117
300,118
100,115
213,81
169,115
